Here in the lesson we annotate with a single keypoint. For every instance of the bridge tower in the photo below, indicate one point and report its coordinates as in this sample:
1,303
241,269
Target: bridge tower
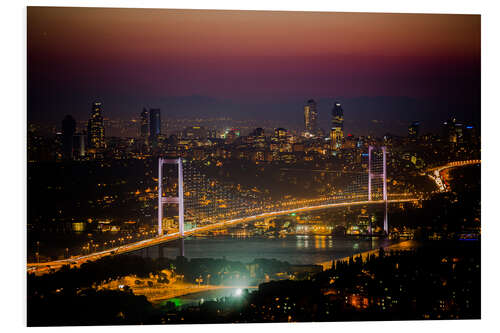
166,200
375,172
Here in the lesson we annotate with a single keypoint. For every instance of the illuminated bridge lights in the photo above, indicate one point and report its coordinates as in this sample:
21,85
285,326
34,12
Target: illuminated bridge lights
212,204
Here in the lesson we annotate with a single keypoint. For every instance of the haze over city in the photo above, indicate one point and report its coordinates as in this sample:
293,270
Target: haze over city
393,68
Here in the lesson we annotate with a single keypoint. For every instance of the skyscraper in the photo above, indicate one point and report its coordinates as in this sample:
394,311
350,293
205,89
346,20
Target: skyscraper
95,128
337,129
79,145
154,125
453,131
311,117
413,130
144,124
68,131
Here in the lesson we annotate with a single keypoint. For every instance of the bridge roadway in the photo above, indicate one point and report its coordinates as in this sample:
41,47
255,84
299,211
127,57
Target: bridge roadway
45,267
454,165
435,173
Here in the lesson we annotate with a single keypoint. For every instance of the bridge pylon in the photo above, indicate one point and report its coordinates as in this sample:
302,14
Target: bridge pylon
376,173
166,200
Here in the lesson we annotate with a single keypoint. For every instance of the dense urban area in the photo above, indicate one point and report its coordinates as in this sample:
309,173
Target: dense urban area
100,192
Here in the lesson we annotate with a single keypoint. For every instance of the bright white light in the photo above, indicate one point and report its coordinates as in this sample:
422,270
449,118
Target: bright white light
239,292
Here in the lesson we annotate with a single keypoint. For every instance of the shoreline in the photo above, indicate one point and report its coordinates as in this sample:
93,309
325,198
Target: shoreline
403,245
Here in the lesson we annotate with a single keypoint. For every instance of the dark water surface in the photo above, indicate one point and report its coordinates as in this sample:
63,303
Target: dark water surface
295,249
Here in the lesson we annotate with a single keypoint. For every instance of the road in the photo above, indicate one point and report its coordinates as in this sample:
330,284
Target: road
41,268
435,173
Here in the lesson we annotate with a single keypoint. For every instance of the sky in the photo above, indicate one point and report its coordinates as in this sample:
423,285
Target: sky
392,68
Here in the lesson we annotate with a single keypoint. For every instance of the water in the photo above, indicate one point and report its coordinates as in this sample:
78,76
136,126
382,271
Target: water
296,249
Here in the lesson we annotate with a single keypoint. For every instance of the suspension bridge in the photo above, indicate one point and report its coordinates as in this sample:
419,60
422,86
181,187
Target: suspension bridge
206,204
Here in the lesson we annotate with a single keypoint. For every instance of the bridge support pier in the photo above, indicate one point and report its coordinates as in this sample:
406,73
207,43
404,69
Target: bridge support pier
161,248
181,247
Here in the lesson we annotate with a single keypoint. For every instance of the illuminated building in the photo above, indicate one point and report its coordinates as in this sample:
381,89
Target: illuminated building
337,129
79,145
154,126
470,135
311,117
68,131
413,130
365,224
195,132
212,133
95,128
231,135
258,132
453,131
280,133
257,138
144,124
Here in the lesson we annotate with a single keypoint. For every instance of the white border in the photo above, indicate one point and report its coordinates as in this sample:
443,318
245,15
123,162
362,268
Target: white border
13,130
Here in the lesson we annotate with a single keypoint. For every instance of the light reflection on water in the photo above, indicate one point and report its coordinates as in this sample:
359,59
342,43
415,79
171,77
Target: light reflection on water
299,249
204,296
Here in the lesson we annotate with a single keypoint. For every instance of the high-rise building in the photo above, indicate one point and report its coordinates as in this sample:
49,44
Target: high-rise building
311,117
154,125
337,129
453,131
470,135
280,133
144,124
95,128
257,138
79,145
68,131
413,130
